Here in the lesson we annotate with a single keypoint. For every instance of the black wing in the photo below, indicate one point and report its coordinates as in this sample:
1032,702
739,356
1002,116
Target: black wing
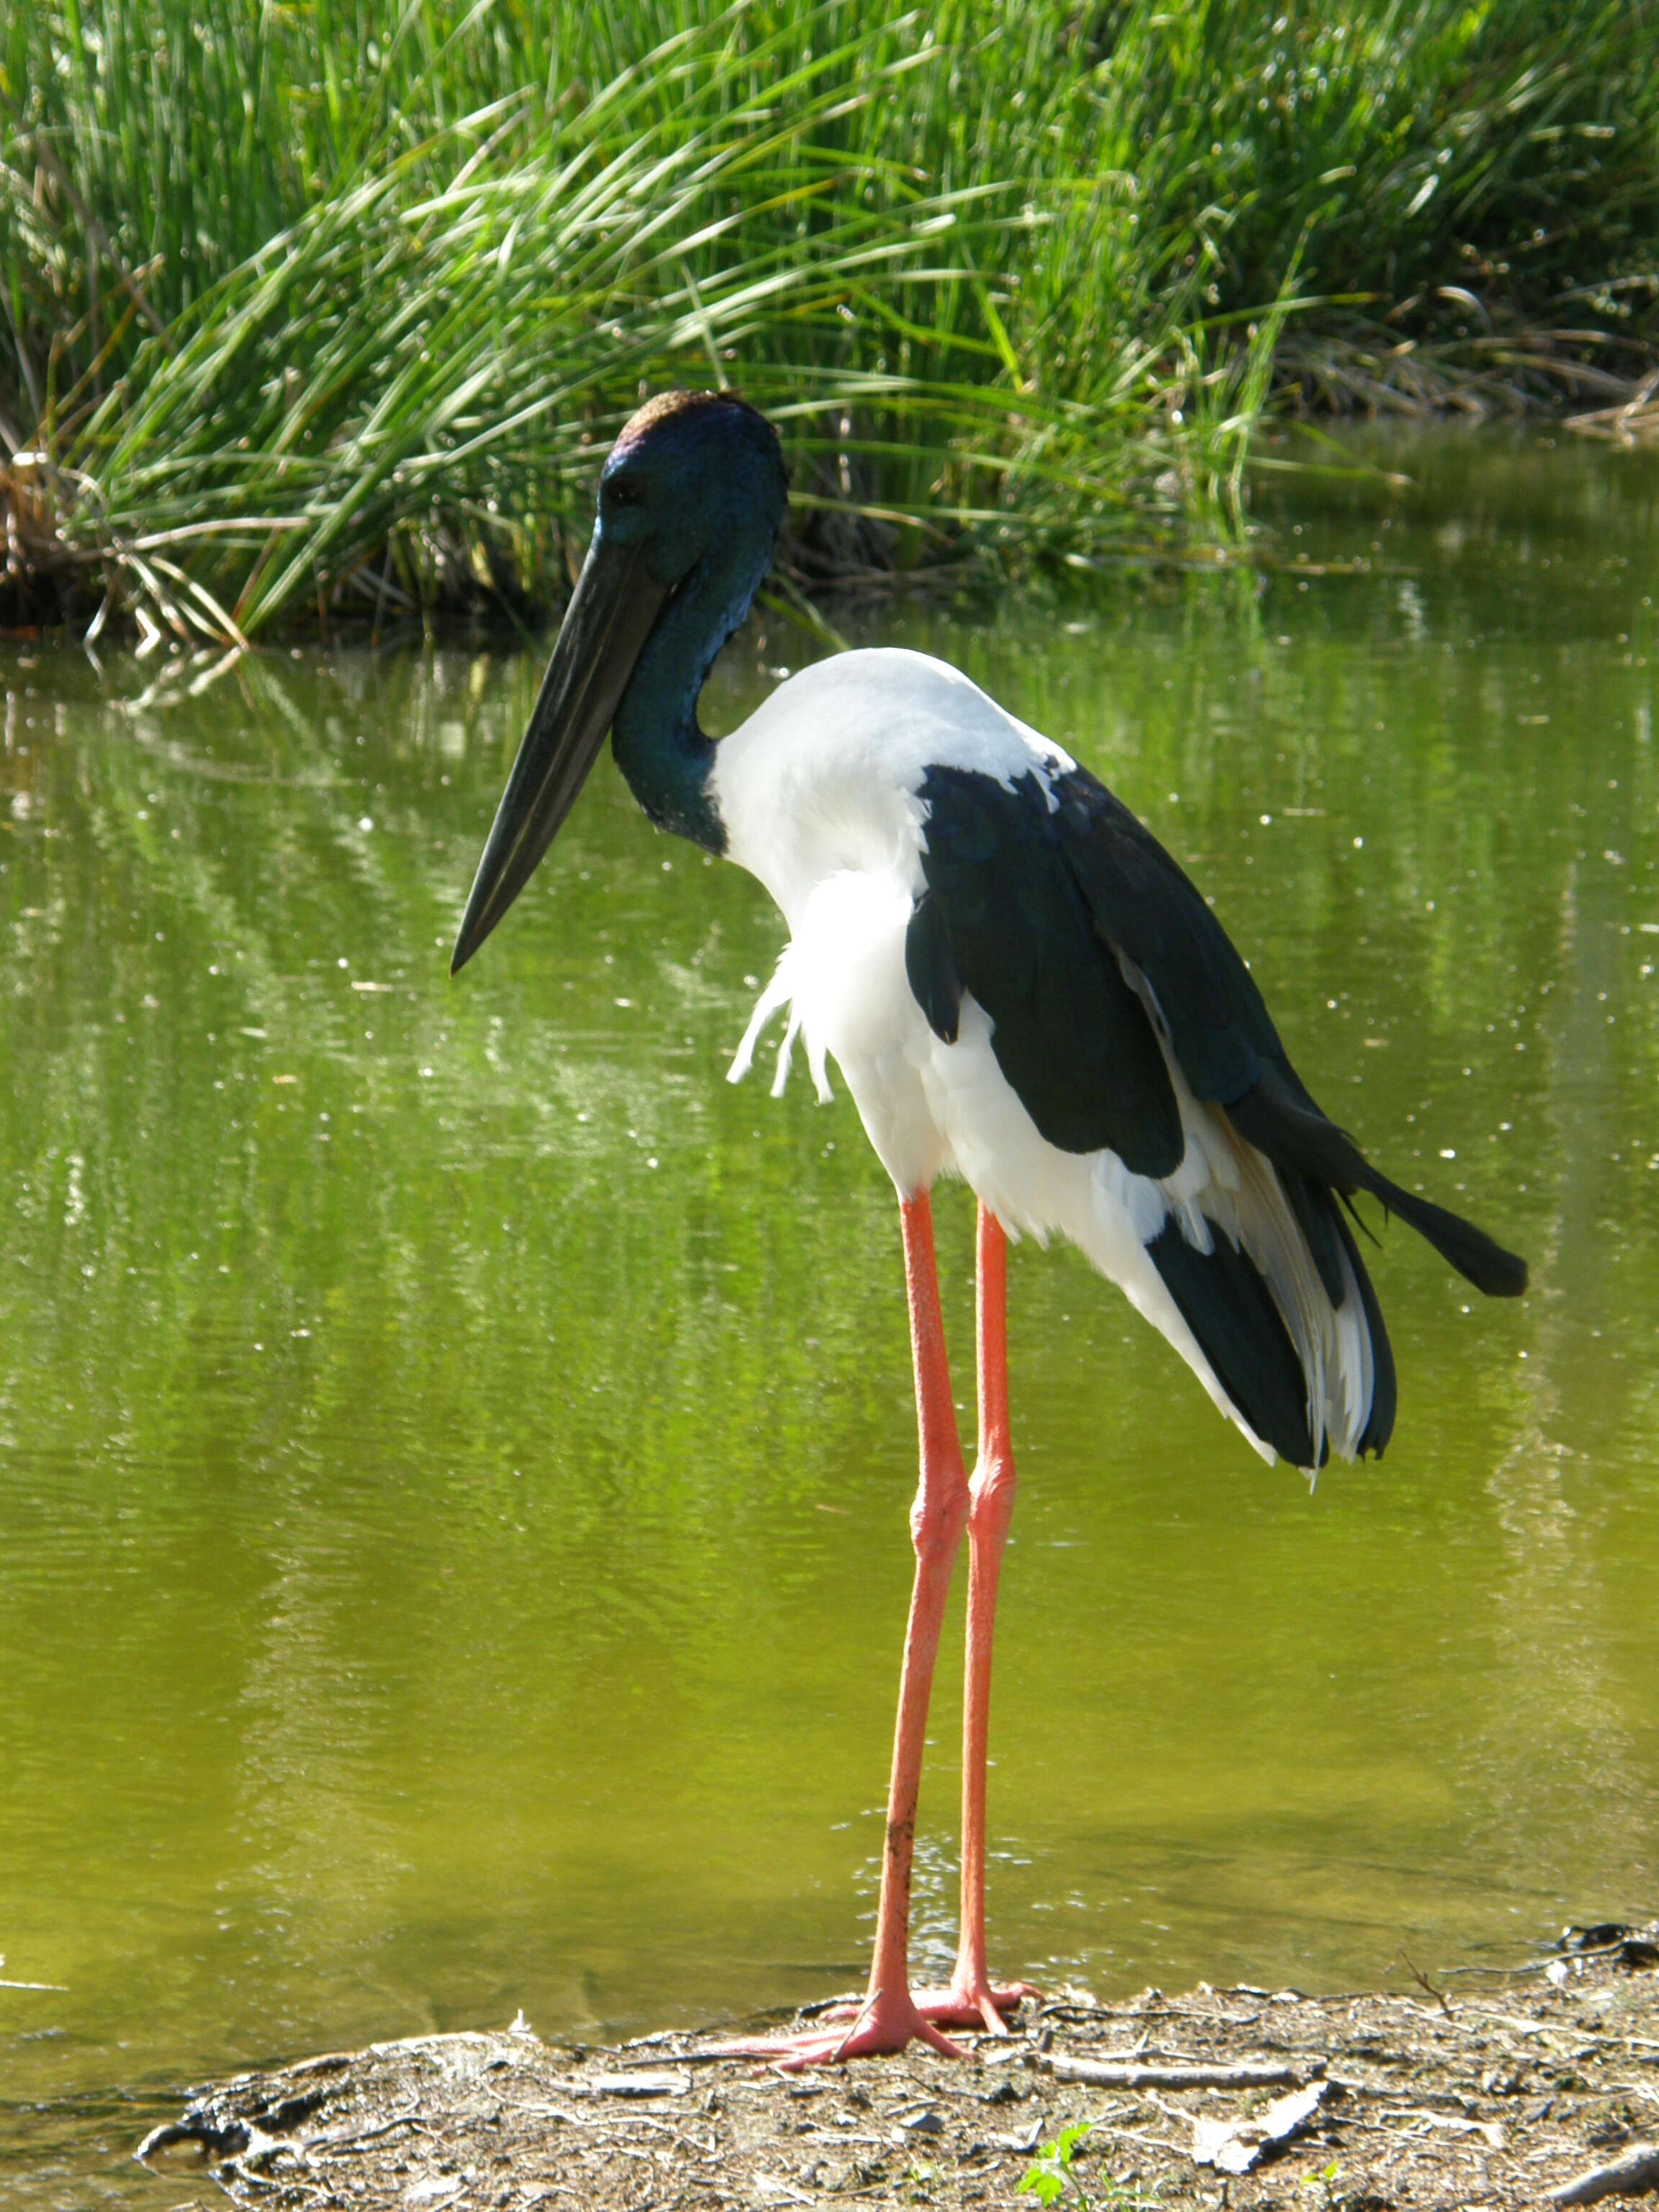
1034,908
1224,1041
1005,915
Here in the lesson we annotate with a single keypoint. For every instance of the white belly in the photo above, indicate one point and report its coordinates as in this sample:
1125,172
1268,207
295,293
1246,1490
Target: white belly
842,975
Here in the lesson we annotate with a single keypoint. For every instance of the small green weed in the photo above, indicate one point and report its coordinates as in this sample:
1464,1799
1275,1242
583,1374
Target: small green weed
1321,2186
1053,2177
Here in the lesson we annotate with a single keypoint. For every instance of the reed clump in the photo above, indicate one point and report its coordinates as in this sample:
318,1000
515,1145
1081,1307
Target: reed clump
315,311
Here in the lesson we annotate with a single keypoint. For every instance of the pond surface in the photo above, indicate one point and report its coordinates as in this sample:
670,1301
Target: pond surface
455,1450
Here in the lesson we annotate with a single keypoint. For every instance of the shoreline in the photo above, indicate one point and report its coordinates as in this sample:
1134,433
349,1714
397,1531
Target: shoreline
1539,2087
59,574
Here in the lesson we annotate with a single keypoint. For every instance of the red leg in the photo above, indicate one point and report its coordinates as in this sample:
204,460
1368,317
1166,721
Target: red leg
971,2000
889,2019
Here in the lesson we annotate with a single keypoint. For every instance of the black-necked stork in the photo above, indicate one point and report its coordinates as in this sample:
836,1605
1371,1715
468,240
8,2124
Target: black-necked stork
1020,988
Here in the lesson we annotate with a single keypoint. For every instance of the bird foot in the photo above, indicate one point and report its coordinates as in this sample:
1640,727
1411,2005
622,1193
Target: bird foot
873,2030
972,2001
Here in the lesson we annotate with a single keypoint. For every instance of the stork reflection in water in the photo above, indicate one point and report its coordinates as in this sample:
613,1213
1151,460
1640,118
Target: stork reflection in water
1021,987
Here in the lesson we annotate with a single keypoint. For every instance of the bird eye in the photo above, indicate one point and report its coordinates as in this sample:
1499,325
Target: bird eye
625,490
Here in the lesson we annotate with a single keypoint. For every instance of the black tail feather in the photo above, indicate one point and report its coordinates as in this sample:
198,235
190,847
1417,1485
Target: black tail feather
1312,1204
1300,1141
1241,1331
1379,1426
1475,1255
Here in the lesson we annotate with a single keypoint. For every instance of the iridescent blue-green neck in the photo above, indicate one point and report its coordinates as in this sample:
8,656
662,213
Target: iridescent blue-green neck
659,747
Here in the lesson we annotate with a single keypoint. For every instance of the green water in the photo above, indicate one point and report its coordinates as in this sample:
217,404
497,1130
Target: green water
455,1451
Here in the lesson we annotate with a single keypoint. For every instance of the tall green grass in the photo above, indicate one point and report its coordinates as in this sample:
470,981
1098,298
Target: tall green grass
309,307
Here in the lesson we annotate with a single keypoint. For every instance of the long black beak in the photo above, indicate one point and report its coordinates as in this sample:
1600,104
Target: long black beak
605,627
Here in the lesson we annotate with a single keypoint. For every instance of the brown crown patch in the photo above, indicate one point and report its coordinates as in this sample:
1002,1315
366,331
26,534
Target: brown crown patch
668,405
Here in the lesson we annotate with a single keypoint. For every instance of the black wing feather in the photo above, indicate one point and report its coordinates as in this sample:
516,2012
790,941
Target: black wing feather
930,968
1005,915
1147,907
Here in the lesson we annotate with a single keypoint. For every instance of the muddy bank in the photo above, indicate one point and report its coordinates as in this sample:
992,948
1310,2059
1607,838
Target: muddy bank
1496,2089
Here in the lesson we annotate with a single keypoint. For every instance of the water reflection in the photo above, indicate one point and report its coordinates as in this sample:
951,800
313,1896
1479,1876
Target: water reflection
454,1451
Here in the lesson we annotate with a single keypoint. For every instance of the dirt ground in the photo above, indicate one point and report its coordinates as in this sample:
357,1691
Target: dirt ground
1498,2090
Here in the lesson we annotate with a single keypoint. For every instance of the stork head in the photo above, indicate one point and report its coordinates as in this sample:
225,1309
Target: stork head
690,471
690,498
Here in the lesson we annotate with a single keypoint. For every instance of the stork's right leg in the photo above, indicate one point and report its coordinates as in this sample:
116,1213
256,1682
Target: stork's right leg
971,2000
889,2018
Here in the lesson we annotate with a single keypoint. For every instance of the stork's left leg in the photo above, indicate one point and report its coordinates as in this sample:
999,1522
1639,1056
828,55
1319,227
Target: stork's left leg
971,2000
889,2018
